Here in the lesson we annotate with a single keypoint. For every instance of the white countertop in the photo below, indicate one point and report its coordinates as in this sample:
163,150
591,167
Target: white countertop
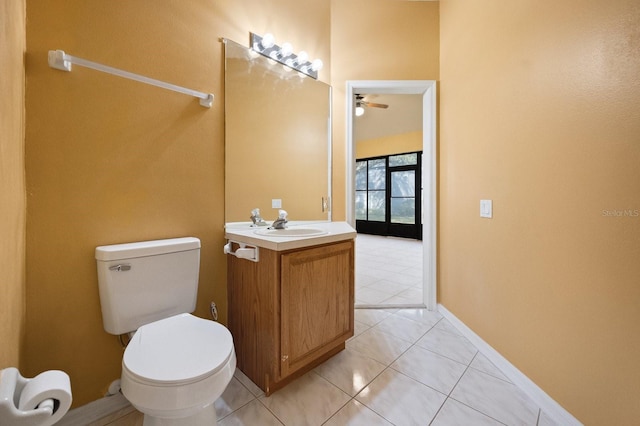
242,232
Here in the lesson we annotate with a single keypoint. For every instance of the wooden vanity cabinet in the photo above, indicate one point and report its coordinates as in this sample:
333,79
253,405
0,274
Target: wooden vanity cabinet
290,311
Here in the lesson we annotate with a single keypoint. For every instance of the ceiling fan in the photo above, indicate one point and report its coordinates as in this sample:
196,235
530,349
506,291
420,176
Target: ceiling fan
360,102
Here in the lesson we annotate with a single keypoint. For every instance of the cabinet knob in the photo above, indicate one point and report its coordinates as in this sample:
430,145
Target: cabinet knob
285,358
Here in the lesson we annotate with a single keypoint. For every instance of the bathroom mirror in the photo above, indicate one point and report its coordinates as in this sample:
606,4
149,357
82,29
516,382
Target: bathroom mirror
277,139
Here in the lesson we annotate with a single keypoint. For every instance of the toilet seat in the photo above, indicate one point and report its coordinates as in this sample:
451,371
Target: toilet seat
177,350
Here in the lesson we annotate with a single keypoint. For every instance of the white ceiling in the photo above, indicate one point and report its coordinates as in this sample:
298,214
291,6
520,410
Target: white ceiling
403,115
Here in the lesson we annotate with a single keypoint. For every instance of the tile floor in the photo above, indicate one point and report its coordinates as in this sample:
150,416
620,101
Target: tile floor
388,271
402,367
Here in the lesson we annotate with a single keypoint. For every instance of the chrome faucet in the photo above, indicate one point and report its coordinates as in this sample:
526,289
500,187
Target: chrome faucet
256,218
281,221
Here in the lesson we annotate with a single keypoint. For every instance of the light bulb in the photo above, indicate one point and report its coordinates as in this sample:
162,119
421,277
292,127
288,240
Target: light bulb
359,111
316,65
286,50
267,41
302,57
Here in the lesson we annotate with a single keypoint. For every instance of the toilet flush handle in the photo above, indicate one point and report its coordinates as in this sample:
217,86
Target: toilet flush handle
120,267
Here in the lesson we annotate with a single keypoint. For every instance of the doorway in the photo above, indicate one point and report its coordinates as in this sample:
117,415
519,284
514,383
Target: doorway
426,88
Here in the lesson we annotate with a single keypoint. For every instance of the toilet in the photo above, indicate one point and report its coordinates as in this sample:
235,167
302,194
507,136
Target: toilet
176,364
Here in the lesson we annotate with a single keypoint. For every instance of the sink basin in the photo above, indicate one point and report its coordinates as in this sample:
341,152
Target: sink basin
292,232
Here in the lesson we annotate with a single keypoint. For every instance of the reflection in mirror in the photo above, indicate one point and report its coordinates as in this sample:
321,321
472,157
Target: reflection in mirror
277,139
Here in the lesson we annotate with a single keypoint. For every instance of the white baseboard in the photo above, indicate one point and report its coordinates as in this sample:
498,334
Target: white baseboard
547,404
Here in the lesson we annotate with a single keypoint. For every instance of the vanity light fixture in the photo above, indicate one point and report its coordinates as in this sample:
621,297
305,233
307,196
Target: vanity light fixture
265,45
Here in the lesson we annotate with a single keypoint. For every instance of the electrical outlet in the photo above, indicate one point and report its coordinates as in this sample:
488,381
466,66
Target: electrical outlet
276,203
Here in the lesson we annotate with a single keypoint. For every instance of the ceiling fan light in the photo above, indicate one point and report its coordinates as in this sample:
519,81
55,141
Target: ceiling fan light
359,111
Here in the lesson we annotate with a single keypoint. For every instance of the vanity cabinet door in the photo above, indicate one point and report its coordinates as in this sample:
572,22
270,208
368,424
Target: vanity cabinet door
317,303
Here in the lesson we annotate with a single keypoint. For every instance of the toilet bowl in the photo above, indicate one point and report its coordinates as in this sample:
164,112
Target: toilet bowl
176,368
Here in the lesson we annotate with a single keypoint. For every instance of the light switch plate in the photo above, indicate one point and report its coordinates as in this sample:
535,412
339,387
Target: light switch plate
276,203
486,208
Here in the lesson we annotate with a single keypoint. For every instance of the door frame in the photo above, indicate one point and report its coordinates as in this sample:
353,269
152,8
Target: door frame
427,88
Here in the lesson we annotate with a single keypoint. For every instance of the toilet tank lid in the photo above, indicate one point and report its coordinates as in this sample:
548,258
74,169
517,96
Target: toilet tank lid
146,248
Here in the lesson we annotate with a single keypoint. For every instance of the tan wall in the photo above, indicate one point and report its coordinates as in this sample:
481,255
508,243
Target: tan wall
12,182
540,113
377,40
388,145
110,160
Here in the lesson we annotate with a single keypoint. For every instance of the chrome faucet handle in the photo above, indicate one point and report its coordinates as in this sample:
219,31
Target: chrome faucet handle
256,219
278,224
281,221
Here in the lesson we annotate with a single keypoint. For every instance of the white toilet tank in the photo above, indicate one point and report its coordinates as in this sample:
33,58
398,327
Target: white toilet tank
147,281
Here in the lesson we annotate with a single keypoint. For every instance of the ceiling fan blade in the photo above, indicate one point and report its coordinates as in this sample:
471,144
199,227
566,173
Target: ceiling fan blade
374,105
